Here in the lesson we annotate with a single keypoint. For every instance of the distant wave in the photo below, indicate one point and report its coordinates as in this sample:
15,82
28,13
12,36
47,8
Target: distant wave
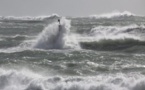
27,17
114,14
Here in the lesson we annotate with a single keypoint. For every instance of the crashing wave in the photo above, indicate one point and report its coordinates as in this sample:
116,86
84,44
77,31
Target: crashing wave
56,36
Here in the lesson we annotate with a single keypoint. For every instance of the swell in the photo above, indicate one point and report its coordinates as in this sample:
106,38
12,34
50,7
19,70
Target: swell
77,63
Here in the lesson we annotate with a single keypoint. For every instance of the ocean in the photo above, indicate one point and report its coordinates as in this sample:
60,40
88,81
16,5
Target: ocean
98,52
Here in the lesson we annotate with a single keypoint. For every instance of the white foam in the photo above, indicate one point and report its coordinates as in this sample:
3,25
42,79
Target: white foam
28,80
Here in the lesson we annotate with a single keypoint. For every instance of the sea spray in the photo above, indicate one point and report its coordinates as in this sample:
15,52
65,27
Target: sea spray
56,36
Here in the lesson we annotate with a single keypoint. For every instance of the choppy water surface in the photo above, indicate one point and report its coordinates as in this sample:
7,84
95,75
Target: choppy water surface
83,53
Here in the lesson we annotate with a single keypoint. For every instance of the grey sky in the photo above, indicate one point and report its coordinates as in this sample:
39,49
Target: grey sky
68,7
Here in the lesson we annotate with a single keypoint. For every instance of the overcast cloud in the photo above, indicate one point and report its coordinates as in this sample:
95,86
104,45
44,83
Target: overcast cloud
69,7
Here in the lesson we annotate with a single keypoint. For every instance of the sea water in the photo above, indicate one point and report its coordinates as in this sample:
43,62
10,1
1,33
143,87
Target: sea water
99,52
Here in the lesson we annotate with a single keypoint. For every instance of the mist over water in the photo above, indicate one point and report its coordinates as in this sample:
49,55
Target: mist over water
101,52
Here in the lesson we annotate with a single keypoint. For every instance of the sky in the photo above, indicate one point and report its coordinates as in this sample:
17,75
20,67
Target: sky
69,7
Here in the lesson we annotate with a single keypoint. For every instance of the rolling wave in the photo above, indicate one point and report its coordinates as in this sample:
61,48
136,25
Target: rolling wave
115,45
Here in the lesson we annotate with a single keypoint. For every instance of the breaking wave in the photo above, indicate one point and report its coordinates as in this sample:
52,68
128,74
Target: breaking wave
115,38
118,32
